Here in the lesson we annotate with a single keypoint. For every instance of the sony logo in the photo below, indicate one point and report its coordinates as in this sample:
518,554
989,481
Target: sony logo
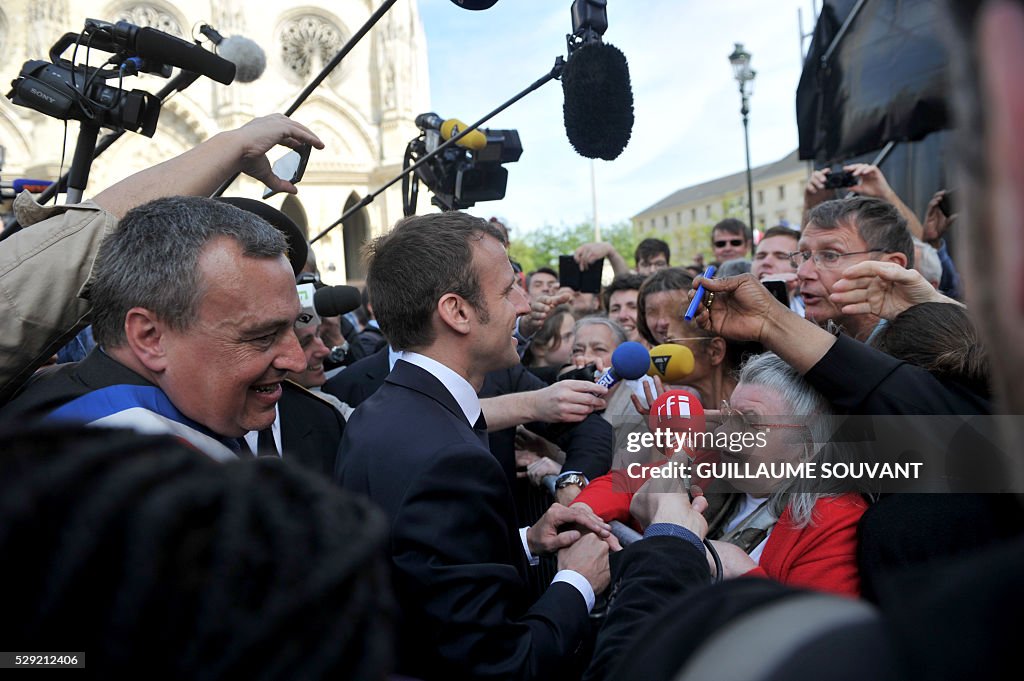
42,95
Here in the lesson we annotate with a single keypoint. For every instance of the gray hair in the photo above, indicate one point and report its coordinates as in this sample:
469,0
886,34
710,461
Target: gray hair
929,264
618,333
877,222
730,268
152,260
771,371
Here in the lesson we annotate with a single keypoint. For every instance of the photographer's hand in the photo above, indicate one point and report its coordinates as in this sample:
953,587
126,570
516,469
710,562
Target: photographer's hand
935,221
201,170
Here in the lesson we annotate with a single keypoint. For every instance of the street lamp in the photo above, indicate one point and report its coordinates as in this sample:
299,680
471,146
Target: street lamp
741,71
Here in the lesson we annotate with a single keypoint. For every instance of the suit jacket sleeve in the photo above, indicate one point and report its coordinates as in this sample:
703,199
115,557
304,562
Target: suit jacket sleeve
455,555
859,379
587,444
645,576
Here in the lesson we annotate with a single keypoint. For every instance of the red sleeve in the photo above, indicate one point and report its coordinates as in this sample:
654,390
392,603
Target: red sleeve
823,555
610,495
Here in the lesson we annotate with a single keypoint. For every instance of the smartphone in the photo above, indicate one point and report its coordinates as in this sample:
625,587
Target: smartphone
838,179
946,203
778,289
290,167
569,274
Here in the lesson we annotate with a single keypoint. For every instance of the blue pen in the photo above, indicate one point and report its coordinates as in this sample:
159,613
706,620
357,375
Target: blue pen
698,297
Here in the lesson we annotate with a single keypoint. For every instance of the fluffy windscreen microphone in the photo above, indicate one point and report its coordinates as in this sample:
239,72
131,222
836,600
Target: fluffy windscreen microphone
598,105
475,4
249,59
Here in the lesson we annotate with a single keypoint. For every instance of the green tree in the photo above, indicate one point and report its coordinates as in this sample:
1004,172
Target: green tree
542,246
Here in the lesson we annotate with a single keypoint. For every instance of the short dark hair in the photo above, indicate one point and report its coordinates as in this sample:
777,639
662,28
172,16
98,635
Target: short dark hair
623,282
648,248
167,537
877,222
540,270
731,226
152,260
423,258
781,230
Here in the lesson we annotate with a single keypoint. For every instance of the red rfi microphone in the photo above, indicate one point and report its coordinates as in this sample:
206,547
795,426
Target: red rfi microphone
679,413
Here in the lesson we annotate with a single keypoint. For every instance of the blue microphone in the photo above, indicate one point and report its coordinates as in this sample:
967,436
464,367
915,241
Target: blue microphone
629,361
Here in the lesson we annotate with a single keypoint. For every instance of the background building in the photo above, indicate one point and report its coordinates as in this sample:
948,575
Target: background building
684,219
363,112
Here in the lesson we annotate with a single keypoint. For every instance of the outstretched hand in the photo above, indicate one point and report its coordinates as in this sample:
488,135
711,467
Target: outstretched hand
884,289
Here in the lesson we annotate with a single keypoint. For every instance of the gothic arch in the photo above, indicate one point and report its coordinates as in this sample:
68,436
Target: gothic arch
356,232
346,134
154,13
17,145
292,207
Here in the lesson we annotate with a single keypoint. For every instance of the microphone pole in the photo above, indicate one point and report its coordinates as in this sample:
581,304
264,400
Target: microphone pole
326,71
553,74
178,83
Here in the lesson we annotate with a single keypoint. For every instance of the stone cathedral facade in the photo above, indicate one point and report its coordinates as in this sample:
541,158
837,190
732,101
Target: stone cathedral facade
363,112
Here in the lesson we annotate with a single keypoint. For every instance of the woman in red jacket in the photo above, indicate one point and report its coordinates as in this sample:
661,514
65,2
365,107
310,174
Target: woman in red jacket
797,537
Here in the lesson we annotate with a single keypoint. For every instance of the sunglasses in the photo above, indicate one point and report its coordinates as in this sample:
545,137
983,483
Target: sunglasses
731,242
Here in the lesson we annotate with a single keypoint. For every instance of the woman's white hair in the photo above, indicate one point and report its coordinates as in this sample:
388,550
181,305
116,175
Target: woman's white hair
805,405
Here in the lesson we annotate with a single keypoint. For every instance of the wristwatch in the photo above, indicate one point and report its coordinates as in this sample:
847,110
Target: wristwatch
572,478
338,352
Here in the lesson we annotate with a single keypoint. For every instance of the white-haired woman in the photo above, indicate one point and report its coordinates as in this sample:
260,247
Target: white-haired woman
789,531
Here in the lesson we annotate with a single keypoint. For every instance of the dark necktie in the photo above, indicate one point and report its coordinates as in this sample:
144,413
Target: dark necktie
265,445
480,428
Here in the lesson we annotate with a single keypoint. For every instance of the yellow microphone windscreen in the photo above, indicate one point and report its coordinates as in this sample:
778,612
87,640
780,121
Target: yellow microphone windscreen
671,362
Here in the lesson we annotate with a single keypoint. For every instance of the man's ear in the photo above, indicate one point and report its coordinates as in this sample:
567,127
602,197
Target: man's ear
454,312
145,338
900,258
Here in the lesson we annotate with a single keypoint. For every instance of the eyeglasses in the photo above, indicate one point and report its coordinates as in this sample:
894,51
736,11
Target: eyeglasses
824,259
731,242
694,338
740,421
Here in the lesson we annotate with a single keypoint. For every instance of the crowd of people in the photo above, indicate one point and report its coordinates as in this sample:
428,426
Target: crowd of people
204,477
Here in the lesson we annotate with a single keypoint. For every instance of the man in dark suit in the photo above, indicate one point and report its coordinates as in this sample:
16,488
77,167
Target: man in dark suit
445,294
583,436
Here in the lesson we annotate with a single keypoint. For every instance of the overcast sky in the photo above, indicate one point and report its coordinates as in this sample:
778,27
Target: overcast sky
688,127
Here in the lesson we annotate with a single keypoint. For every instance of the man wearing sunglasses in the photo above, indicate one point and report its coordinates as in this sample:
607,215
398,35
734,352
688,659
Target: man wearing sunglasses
730,239
839,234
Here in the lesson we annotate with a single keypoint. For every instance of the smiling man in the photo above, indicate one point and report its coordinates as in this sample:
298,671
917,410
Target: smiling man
839,234
194,305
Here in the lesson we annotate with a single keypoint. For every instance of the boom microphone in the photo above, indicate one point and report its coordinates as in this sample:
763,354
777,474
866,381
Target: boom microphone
598,106
248,57
333,301
475,4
